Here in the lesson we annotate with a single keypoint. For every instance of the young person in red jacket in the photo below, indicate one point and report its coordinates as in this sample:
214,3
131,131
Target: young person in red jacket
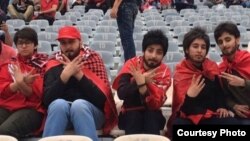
142,84
198,97
21,81
77,90
235,70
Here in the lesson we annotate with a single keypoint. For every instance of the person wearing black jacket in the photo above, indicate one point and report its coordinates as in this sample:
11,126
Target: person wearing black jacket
77,90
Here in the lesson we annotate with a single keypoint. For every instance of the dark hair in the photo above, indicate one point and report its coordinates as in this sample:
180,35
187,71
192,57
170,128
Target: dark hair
227,27
195,33
155,37
26,33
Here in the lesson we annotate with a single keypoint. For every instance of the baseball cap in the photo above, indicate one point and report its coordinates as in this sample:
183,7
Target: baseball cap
68,32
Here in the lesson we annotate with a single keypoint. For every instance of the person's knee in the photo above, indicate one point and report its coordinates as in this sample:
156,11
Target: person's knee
5,131
59,105
80,104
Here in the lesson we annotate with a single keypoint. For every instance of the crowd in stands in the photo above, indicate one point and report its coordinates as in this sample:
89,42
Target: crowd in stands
47,94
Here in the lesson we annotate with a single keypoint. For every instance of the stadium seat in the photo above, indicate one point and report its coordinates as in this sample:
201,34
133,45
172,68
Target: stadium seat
66,138
141,137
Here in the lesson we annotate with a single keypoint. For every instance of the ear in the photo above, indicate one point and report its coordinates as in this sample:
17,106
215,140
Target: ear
238,41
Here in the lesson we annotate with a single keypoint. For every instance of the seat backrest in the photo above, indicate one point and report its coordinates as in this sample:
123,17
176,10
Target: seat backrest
16,23
7,138
103,46
106,29
44,47
105,37
42,23
141,137
66,138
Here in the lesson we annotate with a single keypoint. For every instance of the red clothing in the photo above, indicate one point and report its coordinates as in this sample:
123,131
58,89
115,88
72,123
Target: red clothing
16,101
6,53
94,70
95,1
47,4
240,63
165,2
157,89
182,79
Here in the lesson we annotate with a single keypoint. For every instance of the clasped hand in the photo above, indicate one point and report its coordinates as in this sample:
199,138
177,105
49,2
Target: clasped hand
72,68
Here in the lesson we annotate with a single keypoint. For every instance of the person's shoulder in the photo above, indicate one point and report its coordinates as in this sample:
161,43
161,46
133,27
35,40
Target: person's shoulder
52,63
8,48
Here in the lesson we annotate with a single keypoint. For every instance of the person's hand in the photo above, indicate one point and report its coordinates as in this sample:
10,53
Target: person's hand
233,80
149,75
4,27
29,78
71,67
197,84
241,110
113,12
17,74
223,113
137,74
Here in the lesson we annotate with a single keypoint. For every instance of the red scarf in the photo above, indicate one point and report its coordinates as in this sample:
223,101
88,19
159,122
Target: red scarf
182,79
240,64
157,89
94,70
37,61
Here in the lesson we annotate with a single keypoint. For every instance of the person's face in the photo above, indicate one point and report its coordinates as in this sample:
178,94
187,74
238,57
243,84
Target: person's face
25,48
70,47
228,44
197,51
153,56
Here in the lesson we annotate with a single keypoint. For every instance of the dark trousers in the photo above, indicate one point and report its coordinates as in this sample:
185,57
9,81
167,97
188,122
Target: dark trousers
180,5
20,123
103,7
135,122
48,18
4,4
126,18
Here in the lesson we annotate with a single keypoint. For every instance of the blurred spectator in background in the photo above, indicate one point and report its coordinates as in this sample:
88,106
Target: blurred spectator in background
47,11
165,4
5,37
184,4
37,5
77,2
21,9
96,4
244,3
62,6
211,3
3,5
